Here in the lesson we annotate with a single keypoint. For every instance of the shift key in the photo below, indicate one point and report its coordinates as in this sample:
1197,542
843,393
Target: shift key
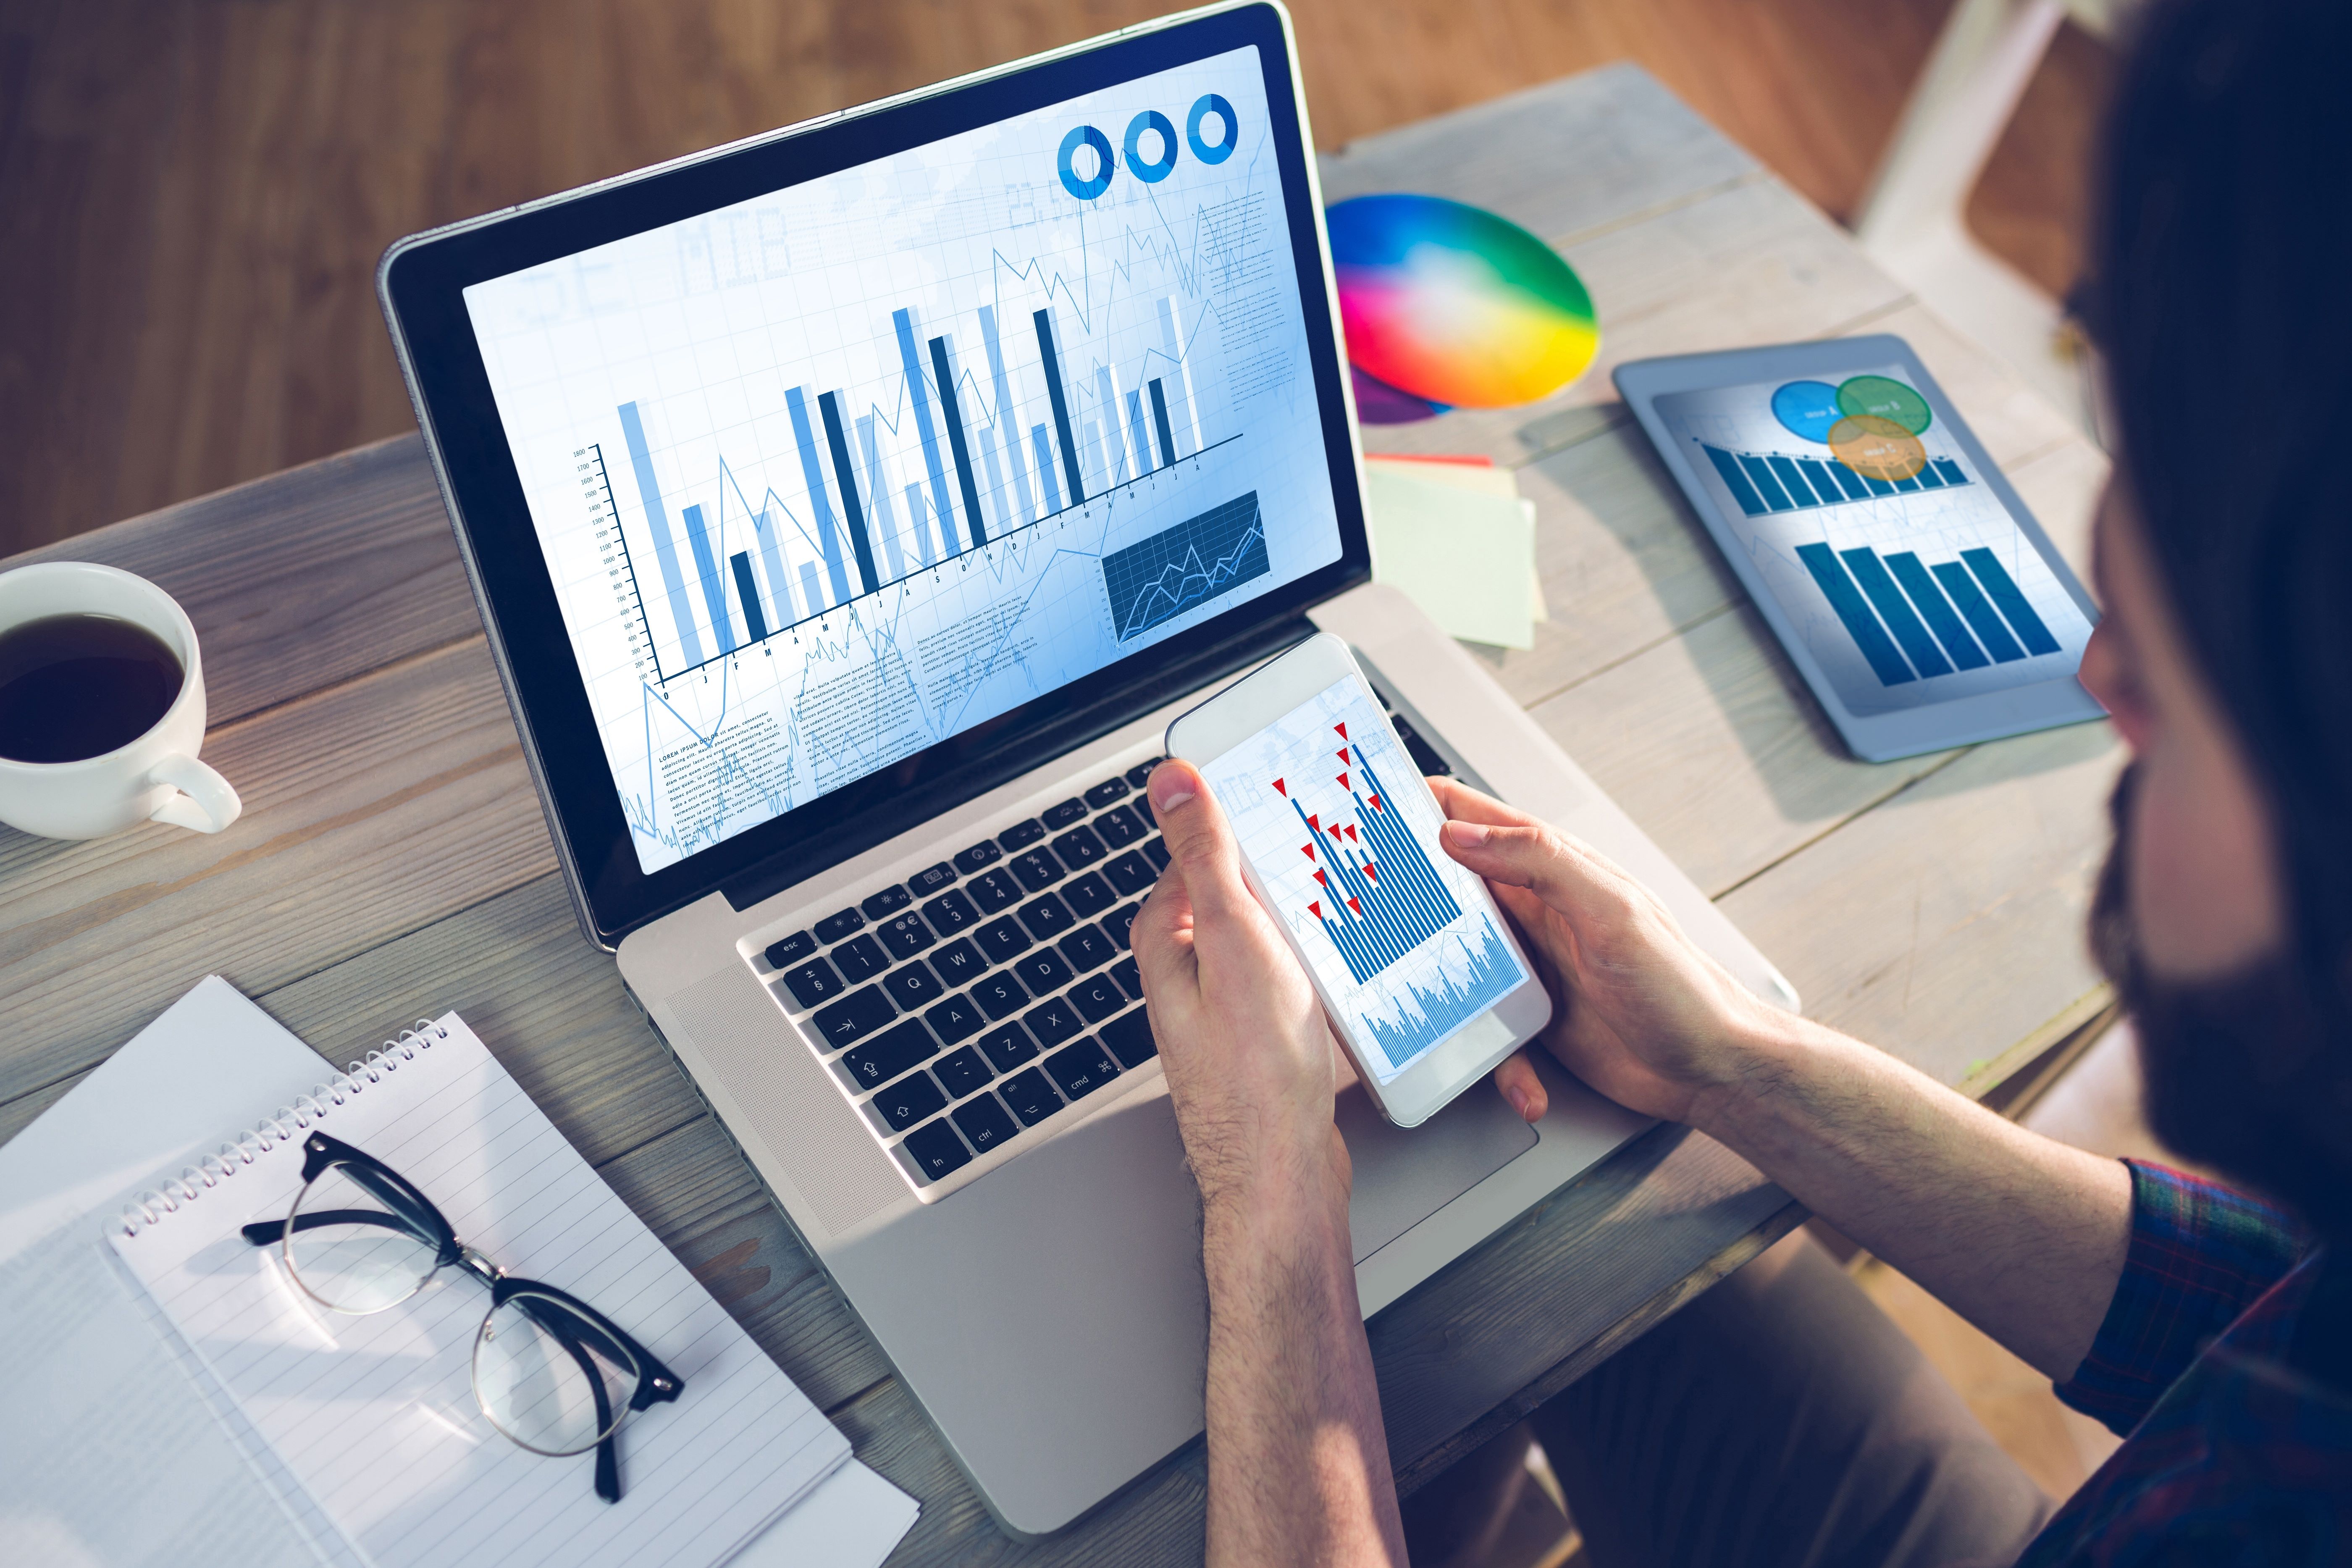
856,1015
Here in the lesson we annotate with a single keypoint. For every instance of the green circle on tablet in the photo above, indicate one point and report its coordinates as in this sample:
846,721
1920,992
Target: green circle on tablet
1882,397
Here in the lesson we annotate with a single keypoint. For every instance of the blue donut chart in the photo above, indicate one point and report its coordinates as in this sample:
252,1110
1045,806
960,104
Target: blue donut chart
1149,173
1210,103
1087,136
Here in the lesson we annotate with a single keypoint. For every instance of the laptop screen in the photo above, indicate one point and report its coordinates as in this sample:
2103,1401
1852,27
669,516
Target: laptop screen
826,477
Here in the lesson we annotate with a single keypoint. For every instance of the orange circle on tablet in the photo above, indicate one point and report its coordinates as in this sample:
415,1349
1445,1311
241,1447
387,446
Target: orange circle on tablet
1877,448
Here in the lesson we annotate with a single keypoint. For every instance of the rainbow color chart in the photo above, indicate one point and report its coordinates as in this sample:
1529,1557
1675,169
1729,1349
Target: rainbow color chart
1454,307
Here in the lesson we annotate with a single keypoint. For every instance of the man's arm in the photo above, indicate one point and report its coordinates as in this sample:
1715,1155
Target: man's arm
2024,1236
1298,1463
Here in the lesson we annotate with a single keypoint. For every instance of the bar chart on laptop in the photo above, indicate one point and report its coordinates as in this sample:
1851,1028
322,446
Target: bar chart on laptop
827,476
1396,935
1906,576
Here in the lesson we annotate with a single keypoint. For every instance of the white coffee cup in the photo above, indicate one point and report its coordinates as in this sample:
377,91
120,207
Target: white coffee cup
155,778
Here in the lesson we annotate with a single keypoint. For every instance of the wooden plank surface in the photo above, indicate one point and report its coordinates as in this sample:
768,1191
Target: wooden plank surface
393,860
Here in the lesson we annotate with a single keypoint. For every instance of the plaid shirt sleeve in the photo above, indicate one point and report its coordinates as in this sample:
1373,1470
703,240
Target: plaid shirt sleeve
2200,1255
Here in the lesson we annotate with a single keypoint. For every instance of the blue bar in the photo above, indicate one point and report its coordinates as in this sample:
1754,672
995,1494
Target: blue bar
1137,437
706,567
772,556
915,521
748,592
1094,449
995,481
1060,401
1784,470
1175,352
946,373
657,519
879,493
1006,423
1906,484
1045,450
1160,418
1817,474
1850,481
2012,599
1895,611
837,438
1115,449
1982,619
1761,472
1403,845
809,591
828,539
1868,635
1878,487
1938,609
905,323
1950,471
1929,480
1735,480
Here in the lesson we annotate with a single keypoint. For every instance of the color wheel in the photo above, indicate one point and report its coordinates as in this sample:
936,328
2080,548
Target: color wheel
1451,306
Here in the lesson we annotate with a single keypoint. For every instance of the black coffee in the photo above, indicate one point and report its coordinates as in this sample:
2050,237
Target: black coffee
79,686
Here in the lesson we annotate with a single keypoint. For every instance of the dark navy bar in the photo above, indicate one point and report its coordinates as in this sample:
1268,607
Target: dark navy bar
749,594
1876,647
1061,403
1980,616
1938,610
2010,599
1735,480
706,565
946,376
1895,611
835,437
1760,473
1160,418
1785,471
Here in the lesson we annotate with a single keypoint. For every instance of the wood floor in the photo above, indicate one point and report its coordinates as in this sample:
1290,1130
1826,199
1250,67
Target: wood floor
195,191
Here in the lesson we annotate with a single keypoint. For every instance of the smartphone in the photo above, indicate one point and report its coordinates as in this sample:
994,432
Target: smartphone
1420,973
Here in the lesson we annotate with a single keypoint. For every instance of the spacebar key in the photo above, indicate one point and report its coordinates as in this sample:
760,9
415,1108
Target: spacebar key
856,1015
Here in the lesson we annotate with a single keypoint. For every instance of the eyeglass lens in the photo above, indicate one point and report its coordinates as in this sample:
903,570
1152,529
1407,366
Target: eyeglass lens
549,1378
351,1248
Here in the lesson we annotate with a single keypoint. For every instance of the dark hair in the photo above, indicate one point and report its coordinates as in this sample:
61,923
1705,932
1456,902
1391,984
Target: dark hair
2221,297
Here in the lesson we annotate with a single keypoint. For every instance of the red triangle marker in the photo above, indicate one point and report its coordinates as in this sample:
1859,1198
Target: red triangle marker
1280,791
1316,909
1319,877
1369,876
1376,803
1334,831
1343,729
1309,848
1315,819
1343,780
1343,753
1351,833
1355,906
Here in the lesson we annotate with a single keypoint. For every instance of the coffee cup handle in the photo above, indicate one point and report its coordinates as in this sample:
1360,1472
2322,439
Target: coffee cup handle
201,798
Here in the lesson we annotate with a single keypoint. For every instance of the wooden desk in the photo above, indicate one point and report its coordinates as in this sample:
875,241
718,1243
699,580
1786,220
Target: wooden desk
393,861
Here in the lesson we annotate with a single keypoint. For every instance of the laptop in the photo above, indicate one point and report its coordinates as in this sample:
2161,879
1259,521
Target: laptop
850,509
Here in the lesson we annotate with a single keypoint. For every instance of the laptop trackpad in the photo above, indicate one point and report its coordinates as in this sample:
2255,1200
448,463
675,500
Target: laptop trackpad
1405,1174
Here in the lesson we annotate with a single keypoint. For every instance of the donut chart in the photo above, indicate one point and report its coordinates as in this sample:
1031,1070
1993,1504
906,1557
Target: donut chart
1453,305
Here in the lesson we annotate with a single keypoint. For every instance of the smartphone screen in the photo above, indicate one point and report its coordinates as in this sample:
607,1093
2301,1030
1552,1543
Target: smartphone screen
1335,819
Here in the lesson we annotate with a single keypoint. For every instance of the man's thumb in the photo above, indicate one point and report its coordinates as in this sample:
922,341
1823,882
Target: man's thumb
1197,838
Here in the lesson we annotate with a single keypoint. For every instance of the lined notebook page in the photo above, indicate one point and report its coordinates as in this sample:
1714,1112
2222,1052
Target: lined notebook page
375,1414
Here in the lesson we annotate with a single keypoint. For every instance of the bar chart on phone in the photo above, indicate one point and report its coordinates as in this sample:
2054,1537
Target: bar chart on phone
1402,938
1905,576
827,476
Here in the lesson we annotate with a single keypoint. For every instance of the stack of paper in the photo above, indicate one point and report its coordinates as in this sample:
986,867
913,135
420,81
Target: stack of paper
1456,537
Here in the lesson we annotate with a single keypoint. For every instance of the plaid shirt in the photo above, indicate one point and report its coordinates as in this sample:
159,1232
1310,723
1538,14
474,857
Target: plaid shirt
2231,1454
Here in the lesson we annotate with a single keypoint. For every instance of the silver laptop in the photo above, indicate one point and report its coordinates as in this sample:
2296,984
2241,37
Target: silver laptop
850,511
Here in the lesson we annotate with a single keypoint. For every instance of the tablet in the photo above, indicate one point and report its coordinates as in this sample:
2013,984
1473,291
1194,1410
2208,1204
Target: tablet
1910,586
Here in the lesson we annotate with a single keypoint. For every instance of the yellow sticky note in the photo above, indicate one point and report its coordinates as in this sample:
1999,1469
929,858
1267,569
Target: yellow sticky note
1478,481
1467,558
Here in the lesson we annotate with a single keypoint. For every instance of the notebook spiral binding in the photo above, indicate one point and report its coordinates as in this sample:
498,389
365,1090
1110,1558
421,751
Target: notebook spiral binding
290,1123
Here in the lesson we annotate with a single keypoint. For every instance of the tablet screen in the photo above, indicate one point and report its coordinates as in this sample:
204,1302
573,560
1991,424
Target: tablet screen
1901,571
832,475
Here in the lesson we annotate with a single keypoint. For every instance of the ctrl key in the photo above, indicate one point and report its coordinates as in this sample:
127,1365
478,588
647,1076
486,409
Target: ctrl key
935,1150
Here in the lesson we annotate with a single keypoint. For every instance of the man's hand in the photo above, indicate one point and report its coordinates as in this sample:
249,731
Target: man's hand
1242,1035
1298,1463
1638,1012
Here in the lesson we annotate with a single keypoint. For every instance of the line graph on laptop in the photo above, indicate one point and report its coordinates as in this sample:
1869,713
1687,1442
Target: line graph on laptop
827,476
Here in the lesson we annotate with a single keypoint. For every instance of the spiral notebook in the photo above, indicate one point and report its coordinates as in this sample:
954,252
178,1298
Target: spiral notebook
374,1415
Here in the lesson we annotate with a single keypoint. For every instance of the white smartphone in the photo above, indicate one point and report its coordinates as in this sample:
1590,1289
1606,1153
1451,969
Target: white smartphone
1423,981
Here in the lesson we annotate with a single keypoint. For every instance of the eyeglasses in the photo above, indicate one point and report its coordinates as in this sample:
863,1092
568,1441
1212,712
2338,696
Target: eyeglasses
554,1375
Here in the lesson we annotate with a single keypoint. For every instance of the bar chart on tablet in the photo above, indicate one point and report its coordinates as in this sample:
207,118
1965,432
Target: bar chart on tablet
827,476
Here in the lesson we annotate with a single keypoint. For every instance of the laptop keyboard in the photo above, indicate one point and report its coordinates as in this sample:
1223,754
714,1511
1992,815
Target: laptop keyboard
985,995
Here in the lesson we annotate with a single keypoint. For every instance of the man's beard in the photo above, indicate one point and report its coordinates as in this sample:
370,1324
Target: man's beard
2243,1074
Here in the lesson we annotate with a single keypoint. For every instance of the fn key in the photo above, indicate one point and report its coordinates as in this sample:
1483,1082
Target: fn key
934,1150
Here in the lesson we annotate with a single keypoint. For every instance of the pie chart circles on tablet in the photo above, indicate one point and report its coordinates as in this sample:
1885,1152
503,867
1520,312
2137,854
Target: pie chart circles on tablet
1453,304
1883,398
1808,409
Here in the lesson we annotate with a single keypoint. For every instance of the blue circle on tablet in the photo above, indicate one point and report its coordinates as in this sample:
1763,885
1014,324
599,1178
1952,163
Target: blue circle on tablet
1213,152
1086,136
1150,174
1808,408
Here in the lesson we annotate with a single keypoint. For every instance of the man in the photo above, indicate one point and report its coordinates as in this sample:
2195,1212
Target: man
1781,1419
